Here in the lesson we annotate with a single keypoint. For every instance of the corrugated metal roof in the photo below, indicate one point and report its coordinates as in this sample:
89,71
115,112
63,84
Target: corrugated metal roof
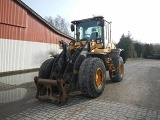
42,19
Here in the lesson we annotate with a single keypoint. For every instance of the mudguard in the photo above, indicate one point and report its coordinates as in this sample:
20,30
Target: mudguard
99,55
118,53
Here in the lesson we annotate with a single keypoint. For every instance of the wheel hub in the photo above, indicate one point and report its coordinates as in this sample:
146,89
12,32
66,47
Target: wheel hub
121,69
99,77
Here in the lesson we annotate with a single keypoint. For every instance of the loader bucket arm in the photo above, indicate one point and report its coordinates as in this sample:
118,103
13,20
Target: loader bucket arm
54,87
60,63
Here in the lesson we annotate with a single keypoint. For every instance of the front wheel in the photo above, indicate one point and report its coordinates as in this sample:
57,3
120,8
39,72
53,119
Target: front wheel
92,77
117,75
44,73
46,68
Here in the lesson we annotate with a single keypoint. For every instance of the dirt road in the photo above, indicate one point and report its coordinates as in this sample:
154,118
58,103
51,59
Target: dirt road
140,88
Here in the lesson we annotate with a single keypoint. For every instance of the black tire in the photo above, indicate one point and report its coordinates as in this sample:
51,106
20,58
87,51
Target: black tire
91,86
46,68
117,76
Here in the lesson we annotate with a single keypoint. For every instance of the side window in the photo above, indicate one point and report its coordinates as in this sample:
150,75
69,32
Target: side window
81,32
105,31
99,30
105,36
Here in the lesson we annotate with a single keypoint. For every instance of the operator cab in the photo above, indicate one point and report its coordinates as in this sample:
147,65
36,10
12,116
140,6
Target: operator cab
92,29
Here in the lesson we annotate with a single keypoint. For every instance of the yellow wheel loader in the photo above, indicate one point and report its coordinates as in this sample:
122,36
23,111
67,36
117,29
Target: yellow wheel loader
83,63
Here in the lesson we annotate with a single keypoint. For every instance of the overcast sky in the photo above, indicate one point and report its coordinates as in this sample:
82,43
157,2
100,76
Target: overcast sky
140,17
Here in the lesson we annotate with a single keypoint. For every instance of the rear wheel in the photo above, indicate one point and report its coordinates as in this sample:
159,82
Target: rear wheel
92,77
118,74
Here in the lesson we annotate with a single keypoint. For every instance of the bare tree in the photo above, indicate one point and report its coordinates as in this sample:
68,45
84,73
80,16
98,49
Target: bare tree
50,20
59,23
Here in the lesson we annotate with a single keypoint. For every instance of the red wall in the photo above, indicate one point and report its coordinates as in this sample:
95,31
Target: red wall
12,14
17,23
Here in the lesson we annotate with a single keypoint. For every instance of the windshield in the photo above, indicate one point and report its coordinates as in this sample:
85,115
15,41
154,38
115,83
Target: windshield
88,30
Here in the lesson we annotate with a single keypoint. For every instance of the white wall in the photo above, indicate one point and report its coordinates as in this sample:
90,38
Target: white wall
20,55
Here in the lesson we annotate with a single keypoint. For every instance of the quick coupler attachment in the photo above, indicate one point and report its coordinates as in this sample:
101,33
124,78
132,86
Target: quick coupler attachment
54,90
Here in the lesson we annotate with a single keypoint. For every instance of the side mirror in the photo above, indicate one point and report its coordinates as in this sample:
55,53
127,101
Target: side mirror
72,27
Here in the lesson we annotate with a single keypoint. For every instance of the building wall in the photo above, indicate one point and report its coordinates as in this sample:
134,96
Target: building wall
12,14
25,41
19,55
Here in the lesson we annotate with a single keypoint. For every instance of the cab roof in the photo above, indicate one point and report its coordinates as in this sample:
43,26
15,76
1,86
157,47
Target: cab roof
93,18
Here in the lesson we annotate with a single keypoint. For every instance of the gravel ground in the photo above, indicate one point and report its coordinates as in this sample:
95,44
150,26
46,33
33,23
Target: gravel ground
136,97
140,86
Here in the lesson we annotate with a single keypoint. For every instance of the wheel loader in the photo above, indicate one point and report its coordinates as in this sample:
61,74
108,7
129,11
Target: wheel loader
83,63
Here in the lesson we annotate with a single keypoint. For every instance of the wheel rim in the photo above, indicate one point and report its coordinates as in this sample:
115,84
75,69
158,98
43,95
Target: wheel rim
99,77
121,69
